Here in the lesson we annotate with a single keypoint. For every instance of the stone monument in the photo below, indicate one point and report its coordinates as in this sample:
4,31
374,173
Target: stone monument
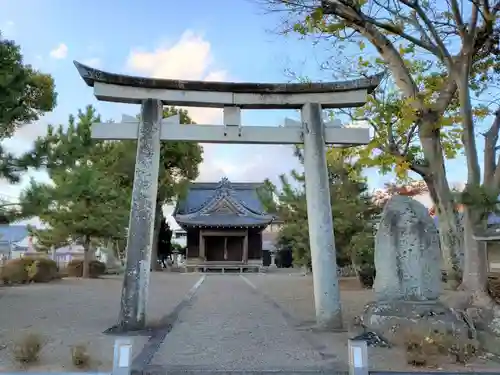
408,274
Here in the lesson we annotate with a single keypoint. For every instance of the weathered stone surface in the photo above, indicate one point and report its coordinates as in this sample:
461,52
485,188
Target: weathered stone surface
408,281
487,323
407,253
142,218
92,75
393,318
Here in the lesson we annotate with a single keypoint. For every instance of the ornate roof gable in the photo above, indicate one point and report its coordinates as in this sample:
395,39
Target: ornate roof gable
223,205
222,202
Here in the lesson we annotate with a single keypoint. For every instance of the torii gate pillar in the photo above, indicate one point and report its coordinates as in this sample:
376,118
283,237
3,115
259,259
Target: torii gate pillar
232,97
320,220
142,218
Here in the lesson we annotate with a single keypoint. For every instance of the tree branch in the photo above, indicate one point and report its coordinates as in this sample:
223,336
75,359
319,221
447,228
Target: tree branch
384,46
455,8
492,167
442,51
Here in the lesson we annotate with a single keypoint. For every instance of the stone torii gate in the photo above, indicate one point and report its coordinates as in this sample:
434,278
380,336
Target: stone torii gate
152,94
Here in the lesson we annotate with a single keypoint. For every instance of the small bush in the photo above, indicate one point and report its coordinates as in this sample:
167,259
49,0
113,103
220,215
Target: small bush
27,349
25,270
96,268
425,348
43,270
494,287
367,275
15,271
80,356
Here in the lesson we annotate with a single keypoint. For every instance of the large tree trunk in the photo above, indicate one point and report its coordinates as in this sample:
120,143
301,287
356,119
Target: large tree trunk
450,232
475,276
87,257
156,236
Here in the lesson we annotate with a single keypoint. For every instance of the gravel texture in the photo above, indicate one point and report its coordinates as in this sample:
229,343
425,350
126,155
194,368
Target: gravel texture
294,293
230,326
74,311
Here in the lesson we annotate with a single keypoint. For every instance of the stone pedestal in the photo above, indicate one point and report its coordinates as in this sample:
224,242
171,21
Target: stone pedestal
408,275
391,319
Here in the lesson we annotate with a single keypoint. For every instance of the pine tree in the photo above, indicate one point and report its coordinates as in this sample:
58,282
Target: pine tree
81,204
164,248
25,95
352,209
65,150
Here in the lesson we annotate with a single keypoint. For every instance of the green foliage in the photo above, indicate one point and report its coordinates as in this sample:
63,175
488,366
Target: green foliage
90,192
413,42
483,199
25,93
67,147
164,239
352,209
50,238
82,202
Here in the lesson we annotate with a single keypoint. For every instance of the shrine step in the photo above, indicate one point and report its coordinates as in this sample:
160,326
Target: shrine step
207,268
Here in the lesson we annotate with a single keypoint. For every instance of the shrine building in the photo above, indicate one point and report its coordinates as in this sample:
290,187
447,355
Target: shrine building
224,223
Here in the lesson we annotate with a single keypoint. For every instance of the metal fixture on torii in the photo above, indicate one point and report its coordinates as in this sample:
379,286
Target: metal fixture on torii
152,94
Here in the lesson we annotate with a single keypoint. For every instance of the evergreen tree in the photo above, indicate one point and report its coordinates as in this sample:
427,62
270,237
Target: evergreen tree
105,171
352,210
25,95
164,248
82,204
68,147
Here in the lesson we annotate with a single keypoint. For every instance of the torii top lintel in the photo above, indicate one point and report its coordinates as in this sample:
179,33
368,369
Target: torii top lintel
131,89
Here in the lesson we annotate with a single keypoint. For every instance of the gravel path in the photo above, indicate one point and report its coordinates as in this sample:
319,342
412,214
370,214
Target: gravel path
76,311
229,326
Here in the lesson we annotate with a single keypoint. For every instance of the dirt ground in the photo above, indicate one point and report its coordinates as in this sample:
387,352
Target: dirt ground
70,312
294,292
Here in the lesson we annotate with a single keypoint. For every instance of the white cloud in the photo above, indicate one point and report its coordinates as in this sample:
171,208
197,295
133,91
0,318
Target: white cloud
191,58
60,52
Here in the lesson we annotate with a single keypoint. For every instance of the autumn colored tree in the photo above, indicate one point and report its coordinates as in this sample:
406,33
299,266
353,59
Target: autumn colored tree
439,55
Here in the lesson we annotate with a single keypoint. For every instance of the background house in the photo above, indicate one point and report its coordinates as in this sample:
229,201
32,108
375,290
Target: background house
13,240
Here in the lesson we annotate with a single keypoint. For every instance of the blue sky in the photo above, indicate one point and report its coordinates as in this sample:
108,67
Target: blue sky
198,39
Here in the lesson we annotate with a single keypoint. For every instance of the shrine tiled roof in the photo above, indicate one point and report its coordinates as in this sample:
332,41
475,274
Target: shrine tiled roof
222,204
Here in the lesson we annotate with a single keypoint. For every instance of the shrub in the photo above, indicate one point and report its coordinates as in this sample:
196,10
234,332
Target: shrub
43,270
367,275
27,349
96,268
426,348
15,271
25,270
494,287
80,356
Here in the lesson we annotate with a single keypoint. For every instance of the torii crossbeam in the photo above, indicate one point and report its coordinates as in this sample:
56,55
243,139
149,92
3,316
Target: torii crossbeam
151,129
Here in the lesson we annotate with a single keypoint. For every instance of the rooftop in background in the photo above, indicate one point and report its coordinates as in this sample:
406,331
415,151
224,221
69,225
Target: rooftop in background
222,204
12,233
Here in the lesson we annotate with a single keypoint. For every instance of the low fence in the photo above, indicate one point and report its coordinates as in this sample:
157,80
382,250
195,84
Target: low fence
358,365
